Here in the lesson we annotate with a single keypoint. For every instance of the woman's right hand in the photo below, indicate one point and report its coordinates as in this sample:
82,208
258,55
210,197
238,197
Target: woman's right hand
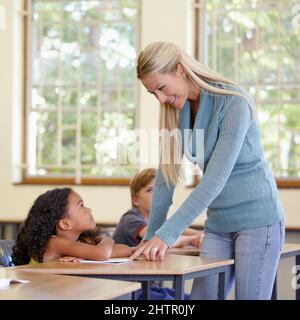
138,246
153,249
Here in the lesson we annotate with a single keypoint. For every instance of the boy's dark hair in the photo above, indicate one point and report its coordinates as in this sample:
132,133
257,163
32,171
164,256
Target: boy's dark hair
141,180
39,225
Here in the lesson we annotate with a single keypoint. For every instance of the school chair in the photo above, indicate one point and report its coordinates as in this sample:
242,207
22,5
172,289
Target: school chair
6,252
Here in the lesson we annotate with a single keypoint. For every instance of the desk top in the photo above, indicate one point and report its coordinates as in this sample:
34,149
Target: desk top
188,250
291,248
288,248
58,287
171,265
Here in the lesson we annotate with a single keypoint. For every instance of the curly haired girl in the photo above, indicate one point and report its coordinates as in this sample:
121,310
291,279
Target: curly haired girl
60,226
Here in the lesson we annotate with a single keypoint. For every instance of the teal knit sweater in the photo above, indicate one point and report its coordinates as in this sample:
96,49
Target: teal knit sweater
237,187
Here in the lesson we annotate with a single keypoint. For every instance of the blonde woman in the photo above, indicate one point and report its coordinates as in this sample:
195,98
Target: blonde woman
245,219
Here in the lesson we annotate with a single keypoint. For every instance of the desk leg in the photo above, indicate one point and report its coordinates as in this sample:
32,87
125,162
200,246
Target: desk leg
298,290
221,291
146,290
133,295
179,288
274,291
2,232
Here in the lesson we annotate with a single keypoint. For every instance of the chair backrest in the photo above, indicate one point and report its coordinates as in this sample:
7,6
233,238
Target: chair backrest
108,231
6,252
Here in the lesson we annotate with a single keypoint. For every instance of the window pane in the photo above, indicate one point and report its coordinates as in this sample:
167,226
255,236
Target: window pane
256,44
82,76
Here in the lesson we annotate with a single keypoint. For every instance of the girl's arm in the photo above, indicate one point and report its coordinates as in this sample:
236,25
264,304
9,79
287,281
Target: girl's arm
121,250
64,247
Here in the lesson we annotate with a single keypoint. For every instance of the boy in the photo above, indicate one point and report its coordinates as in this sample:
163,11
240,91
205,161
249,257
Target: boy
133,224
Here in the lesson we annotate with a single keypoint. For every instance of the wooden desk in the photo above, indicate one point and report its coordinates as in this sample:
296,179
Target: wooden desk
174,267
188,251
44,286
288,250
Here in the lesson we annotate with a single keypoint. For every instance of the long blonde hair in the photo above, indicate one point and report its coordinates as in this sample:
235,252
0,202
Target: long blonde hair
163,57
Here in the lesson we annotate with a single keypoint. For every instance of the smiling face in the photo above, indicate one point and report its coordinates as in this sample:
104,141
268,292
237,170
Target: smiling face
80,217
171,88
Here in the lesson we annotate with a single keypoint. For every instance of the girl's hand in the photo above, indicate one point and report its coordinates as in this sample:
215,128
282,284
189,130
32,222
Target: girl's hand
152,250
69,259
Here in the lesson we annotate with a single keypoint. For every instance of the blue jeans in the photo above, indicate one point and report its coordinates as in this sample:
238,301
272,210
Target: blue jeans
256,253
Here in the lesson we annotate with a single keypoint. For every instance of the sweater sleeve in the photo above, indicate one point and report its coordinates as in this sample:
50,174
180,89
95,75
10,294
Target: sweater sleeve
233,126
161,202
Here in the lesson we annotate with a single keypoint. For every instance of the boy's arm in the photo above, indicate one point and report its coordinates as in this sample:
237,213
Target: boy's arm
182,241
190,232
142,232
189,240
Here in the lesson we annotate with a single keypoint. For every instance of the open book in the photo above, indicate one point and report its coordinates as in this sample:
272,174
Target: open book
112,260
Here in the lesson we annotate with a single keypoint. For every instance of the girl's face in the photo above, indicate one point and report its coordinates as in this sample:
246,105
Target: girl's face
80,217
171,88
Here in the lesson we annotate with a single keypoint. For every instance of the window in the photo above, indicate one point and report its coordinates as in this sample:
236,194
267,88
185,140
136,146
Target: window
257,44
81,90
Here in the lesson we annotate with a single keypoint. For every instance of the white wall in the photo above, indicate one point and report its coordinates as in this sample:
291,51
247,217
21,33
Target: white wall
161,20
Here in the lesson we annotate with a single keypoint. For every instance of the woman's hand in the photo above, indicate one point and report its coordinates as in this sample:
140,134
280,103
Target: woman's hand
134,249
153,249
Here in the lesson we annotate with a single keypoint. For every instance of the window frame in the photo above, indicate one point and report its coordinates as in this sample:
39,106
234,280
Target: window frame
40,180
282,183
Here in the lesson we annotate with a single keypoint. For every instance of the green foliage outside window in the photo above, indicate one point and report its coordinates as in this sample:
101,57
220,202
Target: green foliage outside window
83,79
257,44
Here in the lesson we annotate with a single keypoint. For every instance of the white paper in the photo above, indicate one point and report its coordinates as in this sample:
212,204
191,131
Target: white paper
4,283
112,260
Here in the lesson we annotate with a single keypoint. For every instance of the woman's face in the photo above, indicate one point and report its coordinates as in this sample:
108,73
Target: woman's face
171,88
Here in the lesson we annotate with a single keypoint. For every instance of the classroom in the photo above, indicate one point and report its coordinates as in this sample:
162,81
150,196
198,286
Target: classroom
80,112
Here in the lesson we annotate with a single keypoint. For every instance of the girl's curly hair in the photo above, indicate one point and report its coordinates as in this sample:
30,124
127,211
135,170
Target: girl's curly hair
39,225
91,236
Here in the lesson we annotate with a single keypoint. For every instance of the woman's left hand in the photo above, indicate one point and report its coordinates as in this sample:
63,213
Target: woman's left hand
152,250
